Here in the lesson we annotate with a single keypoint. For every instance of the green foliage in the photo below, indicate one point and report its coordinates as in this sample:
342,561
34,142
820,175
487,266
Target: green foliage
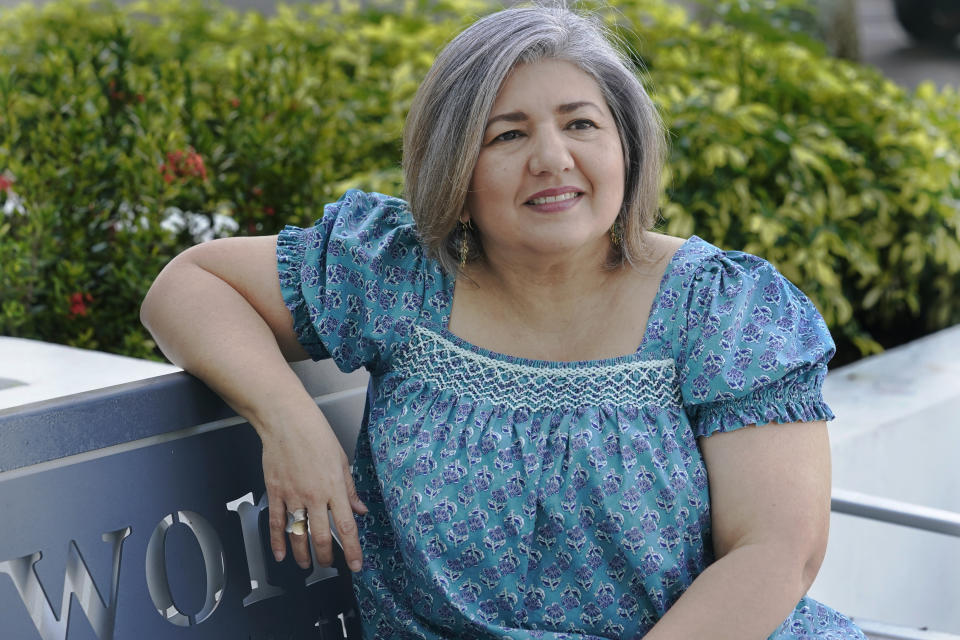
127,134
772,20
845,181
131,133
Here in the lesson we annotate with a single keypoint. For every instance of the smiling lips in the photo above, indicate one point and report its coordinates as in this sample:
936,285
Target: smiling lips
566,196
554,199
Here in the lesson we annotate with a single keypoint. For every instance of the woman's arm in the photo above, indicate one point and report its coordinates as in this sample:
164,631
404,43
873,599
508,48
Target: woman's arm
216,310
770,508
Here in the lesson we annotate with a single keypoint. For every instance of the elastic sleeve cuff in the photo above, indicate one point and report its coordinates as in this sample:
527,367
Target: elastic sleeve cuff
797,399
291,253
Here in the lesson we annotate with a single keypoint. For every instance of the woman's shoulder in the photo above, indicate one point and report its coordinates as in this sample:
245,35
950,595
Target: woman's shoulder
365,228
357,278
697,264
660,247
367,214
724,291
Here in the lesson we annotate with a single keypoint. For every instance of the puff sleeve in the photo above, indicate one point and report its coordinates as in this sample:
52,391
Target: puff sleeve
356,281
754,349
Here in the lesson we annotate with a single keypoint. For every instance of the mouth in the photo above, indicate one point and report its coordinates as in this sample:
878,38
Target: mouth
570,195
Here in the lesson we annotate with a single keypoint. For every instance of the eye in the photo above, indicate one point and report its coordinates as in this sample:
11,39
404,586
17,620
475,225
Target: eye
506,136
582,124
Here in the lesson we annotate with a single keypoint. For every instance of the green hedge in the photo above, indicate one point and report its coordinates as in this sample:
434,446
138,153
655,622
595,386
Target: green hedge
127,134
845,181
131,133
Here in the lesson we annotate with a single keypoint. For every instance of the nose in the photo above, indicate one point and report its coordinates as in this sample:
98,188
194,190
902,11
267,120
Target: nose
549,153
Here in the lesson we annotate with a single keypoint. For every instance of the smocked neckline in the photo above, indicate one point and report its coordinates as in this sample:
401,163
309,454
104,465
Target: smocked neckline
519,361
442,328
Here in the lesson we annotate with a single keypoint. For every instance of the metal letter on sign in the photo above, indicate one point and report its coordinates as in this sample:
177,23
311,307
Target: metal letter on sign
156,568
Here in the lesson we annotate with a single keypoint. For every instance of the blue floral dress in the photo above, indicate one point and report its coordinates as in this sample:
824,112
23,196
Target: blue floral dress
514,498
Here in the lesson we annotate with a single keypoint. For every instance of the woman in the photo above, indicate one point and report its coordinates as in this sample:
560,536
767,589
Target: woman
560,439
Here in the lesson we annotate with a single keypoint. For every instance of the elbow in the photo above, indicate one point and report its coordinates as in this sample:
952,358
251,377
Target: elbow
160,296
810,533
802,555
147,308
792,567
790,559
816,551
152,301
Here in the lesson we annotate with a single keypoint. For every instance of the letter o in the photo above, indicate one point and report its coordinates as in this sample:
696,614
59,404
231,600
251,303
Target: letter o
156,568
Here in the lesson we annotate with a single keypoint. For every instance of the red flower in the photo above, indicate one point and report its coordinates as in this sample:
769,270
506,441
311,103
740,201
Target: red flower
78,304
235,102
183,164
119,96
5,182
269,211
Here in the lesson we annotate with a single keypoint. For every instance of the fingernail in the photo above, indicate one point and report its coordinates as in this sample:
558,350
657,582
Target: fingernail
356,565
278,556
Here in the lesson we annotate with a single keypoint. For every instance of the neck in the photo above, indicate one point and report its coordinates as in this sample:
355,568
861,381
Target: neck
542,294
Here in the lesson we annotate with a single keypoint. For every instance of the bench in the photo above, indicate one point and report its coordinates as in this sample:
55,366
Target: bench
138,511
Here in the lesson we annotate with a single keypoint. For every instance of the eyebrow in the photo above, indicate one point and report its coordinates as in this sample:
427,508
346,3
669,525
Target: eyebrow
520,116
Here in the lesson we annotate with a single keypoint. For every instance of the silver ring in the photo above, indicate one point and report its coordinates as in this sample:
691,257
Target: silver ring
297,522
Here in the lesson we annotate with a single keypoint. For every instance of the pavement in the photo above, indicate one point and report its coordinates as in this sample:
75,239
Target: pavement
883,44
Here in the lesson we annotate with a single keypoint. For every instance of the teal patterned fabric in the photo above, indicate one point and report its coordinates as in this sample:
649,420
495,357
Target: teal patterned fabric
513,498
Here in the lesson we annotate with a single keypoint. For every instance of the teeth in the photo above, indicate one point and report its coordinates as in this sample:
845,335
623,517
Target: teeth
566,196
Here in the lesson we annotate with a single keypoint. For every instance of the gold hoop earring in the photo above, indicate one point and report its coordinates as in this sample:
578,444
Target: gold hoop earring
465,227
616,233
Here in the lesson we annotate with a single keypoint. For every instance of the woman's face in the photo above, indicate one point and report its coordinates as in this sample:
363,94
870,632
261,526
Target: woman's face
550,175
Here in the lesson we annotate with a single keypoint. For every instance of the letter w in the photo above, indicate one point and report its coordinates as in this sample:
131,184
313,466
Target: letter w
78,581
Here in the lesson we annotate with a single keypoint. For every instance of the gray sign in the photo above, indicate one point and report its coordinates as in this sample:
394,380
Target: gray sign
159,536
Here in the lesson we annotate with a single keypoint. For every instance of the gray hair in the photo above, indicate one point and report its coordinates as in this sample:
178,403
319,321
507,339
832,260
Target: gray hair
444,129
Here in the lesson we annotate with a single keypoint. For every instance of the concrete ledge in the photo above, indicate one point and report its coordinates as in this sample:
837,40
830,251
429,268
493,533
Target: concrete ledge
896,435
889,388
31,370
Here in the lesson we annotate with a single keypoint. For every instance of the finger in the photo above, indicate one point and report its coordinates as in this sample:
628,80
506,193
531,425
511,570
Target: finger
346,527
355,502
278,521
321,536
299,543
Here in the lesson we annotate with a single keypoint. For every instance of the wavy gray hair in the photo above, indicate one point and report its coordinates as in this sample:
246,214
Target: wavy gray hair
443,133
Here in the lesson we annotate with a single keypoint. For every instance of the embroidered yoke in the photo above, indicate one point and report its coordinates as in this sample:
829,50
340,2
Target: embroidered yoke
516,498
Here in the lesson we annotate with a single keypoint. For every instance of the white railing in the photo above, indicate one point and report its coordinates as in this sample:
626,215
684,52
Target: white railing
904,514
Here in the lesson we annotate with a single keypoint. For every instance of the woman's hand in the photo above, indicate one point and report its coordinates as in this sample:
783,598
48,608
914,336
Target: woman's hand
217,311
304,467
